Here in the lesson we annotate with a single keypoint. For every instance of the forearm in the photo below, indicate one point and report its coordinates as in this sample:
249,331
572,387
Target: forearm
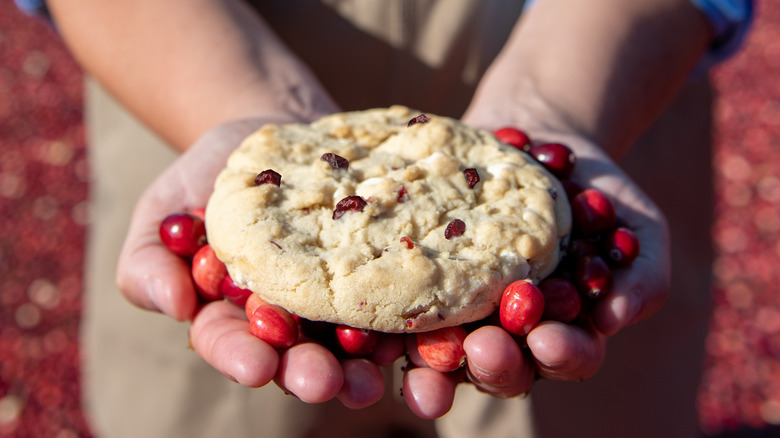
184,66
604,69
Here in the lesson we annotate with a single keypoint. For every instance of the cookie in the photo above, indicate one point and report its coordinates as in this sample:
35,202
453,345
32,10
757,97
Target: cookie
384,220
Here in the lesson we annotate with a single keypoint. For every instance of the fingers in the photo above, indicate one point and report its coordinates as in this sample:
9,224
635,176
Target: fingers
496,364
364,383
219,334
566,352
310,372
428,393
642,289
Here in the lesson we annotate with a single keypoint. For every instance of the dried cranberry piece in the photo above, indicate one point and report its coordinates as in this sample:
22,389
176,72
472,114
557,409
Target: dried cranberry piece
350,203
472,177
422,118
409,243
402,195
455,228
335,161
268,177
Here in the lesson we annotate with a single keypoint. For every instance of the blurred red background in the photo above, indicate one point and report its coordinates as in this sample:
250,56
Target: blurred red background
44,211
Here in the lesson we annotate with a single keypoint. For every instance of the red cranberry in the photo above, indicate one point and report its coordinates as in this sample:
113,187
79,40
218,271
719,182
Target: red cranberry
274,325
268,177
355,341
350,203
252,303
593,276
402,195
555,157
422,118
207,273
408,241
621,247
514,137
442,349
562,301
592,213
335,161
472,177
233,293
521,308
182,233
455,228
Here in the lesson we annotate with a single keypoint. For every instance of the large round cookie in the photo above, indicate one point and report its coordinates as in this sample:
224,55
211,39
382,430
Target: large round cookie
392,264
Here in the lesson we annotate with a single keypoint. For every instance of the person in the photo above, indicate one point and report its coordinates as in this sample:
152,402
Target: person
201,75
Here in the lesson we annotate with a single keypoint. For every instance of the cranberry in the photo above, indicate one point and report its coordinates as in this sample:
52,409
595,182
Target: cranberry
183,233
592,213
252,303
442,349
233,293
521,308
422,118
355,341
268,177
274,325
402,195
562,301
555,157
621,247
350,203
335,161
408,241
455,228
593,276
514,137
472,177
207,273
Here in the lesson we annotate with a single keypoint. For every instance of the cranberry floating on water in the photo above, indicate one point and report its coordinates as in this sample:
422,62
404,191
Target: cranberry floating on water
555,157
183,233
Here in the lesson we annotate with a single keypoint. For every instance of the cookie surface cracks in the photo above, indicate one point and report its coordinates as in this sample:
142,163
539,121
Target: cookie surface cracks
284,243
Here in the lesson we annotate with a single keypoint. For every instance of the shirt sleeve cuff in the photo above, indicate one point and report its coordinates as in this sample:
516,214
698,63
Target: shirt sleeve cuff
730,21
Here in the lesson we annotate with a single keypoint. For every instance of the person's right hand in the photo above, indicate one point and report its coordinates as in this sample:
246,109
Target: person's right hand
153,278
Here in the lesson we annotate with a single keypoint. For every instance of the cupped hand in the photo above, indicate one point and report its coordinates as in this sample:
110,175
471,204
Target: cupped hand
153,278
496,364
